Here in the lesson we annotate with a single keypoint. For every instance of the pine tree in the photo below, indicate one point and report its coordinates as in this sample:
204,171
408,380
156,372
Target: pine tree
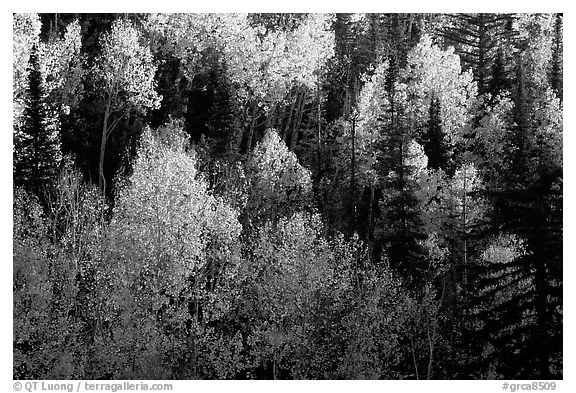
498,81
434,145
519,302
520,134
36,149
517,306
475,37
401,223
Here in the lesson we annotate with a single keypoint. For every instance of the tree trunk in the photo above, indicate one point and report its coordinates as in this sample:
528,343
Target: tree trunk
271,118
353,177
464,227
289,121
414,357
431,352
251,130
402,193
101,179
319,135
369,235
410,24
299,112
482,43
274,368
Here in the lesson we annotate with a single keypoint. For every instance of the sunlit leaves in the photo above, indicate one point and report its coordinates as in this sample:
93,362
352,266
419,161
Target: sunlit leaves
292,271
541,110
262,64
171,244
445,198
279,185
367,134
167,212
548,118
62,68
537,31
432,72
126,69
490,142
26,32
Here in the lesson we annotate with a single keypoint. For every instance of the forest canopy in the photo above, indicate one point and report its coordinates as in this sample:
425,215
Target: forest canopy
287,196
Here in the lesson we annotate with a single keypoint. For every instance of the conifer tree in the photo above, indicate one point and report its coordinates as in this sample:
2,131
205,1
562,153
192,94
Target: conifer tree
434,145
475,37
519,304
36,149
401,226
519,134
498,81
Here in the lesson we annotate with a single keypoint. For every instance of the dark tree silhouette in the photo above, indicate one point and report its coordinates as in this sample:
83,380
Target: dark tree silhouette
36,147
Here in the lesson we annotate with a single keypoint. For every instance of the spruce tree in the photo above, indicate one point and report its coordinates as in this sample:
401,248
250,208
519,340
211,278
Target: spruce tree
401,222
499,81
475,38
517,138
36,149
517,306
434,145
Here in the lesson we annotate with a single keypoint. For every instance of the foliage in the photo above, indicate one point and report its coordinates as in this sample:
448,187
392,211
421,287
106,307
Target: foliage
26,32
294,196
519,305
490,138
279,185
62,69
264,64
54,258
434,74
171,244
126,70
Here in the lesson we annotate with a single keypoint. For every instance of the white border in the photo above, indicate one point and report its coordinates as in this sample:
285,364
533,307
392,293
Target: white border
568,385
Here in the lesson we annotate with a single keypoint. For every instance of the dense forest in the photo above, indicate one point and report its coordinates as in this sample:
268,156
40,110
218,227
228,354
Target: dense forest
287,196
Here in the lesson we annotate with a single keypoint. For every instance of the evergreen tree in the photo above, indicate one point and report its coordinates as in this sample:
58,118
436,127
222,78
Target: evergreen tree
519,304
499,81
519,136
518,309
434,145
475,37
401,226
36,148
